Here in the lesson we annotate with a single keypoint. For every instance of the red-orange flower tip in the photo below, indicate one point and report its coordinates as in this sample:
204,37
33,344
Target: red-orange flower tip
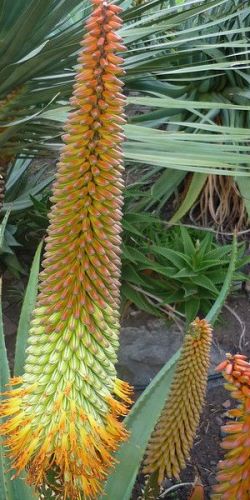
233,476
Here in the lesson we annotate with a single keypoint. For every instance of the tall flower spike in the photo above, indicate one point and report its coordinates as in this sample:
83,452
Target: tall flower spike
62,414
172,439
234,472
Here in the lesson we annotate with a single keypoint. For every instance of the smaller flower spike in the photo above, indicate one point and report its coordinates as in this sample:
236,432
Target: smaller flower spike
62,418
234,471
172,439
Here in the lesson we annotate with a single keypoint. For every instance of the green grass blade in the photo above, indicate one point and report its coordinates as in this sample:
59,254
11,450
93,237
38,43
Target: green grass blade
140,422
25,317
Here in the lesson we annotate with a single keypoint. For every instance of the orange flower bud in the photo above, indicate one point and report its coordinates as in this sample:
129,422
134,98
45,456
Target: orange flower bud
63,415
234,472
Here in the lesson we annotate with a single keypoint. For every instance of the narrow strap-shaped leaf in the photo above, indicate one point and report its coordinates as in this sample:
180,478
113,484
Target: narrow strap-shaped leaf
25,317
2,229
196,185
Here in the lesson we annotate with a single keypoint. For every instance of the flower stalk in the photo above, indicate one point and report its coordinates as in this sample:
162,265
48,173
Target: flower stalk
63,414
233,475
172,439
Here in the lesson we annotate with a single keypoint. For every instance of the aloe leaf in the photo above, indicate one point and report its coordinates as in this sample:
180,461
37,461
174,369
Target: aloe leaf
218,304
5,485
27,308
140,423
10,489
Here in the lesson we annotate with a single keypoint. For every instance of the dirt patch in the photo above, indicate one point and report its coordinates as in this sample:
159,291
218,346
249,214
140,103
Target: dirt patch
207,451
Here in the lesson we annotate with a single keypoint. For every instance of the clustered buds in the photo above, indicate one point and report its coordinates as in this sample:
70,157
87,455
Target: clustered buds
234,471
172,439
62,414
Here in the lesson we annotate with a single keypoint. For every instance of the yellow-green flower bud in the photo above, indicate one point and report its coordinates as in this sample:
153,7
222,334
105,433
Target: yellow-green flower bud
172,439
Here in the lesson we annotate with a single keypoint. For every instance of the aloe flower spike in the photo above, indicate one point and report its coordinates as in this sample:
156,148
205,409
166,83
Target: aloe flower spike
63,414
172,439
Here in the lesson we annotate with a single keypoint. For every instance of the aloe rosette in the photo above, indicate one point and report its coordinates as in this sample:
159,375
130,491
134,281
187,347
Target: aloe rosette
233,475
63,413
172,438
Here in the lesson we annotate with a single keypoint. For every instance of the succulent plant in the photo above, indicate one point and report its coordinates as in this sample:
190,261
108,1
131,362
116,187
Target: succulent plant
63,413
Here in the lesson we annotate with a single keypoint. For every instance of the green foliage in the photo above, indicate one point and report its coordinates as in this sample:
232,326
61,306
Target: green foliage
32,222
162,266
25,181
191,59
10,489
38,50
147,409
24,212
7,245
26,313
199,94
176,267
140,422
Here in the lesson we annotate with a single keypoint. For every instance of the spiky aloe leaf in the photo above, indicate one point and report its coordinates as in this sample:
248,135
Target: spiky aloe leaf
220,301
26,313
10,489
140,422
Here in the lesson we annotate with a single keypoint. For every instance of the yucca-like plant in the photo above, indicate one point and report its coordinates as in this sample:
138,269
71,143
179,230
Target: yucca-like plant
38,57
62,414
38,47
172,439
202,80
234,471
